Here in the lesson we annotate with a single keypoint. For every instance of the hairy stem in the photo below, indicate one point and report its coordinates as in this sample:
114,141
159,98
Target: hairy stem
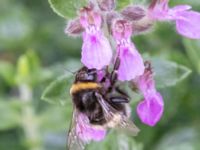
29,122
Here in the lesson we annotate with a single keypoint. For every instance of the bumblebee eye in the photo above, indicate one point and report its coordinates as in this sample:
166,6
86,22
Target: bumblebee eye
82,76
86,75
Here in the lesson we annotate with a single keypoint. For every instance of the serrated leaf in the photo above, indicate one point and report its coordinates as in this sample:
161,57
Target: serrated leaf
67,8
168,73
58,91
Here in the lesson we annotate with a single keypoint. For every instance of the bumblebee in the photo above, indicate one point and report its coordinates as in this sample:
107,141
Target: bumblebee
96,95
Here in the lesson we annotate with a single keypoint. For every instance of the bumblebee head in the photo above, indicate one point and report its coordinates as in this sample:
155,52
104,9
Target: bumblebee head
86,75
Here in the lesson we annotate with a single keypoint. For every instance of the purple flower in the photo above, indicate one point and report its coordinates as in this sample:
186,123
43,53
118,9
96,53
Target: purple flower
149,110
87,132
96,50
187,21
131,63
190,25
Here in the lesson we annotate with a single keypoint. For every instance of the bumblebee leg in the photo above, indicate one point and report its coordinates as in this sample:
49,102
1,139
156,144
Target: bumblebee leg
117,63
118,99
121,92
114,75
107,75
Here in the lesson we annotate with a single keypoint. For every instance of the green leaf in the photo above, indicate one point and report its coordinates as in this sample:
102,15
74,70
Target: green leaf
16,25
10,115
28,67
192,48
168,73
185,138
7,72
58,91
123,3
59,120
67,8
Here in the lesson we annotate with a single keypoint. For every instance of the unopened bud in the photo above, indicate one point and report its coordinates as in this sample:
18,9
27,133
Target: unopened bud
133,13
74,28
106,5
143,25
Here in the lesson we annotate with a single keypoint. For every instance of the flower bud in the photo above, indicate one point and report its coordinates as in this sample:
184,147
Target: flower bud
138,17
133,13
106,5
144,25
74,28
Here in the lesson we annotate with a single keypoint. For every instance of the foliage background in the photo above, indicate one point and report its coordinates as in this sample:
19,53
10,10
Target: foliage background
34,51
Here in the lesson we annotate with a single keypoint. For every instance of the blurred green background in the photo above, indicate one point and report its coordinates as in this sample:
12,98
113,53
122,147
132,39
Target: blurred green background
34,51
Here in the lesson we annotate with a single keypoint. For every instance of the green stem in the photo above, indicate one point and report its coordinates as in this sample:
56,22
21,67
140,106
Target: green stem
29,122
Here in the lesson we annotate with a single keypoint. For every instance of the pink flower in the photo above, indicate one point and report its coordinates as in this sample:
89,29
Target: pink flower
87,132
190,25
149,110
187,21
131,63
96,50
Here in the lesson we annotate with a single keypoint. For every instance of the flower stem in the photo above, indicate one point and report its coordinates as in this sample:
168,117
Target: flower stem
29,122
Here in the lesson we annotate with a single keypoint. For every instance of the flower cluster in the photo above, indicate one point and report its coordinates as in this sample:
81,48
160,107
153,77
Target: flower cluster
187,21
107,35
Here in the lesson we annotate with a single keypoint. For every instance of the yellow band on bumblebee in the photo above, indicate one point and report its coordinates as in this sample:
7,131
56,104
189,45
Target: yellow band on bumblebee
83,86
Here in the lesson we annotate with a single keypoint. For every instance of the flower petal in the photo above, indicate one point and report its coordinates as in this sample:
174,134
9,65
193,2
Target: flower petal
180,8
190,26
150,110
131,63
145,82
87,132
96,51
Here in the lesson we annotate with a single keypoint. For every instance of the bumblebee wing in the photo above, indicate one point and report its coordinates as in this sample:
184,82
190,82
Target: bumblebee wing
108,110
73,140
125,124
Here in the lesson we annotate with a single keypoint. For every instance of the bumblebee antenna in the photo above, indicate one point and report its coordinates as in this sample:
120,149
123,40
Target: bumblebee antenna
72,72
